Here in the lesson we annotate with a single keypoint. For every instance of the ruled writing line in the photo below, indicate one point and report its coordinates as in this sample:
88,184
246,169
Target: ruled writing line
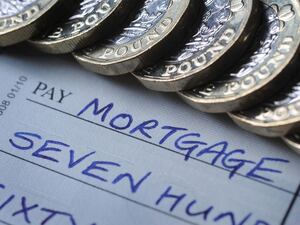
101,189
4,222
159,146
291,205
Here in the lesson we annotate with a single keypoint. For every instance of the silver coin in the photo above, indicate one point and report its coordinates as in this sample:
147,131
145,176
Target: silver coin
264,70
158,25
91,21
222,36
21,19
274,118
293,141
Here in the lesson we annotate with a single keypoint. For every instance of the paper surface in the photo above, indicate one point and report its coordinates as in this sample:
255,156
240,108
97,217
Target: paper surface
78,148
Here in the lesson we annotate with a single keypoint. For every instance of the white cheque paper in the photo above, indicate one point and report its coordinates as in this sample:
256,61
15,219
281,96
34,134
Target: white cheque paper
78,148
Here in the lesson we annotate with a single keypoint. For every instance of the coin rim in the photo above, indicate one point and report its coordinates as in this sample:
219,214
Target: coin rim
180,77
293,145
41,43
30,21
95,62
234,99
243,119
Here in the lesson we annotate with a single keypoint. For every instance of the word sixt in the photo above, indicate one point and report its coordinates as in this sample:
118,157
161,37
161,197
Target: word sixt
189,144
29,212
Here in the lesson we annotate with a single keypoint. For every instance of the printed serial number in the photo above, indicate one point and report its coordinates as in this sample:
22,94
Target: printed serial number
12,94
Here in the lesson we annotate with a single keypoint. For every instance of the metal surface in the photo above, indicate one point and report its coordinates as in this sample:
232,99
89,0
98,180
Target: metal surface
21,19
276,117
222,36
92,20
158,25
262,71
293,141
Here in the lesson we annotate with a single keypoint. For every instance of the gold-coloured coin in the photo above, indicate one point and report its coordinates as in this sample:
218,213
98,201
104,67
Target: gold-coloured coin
21,19
276,117
92,20
293,141
158,26
262,72
221,38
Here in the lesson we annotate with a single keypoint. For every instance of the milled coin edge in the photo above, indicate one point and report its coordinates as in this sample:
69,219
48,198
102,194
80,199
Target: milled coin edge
207,103
46,44
178,78
96,62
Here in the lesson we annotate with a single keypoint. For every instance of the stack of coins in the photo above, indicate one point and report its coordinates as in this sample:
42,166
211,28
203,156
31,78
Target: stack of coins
221,56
